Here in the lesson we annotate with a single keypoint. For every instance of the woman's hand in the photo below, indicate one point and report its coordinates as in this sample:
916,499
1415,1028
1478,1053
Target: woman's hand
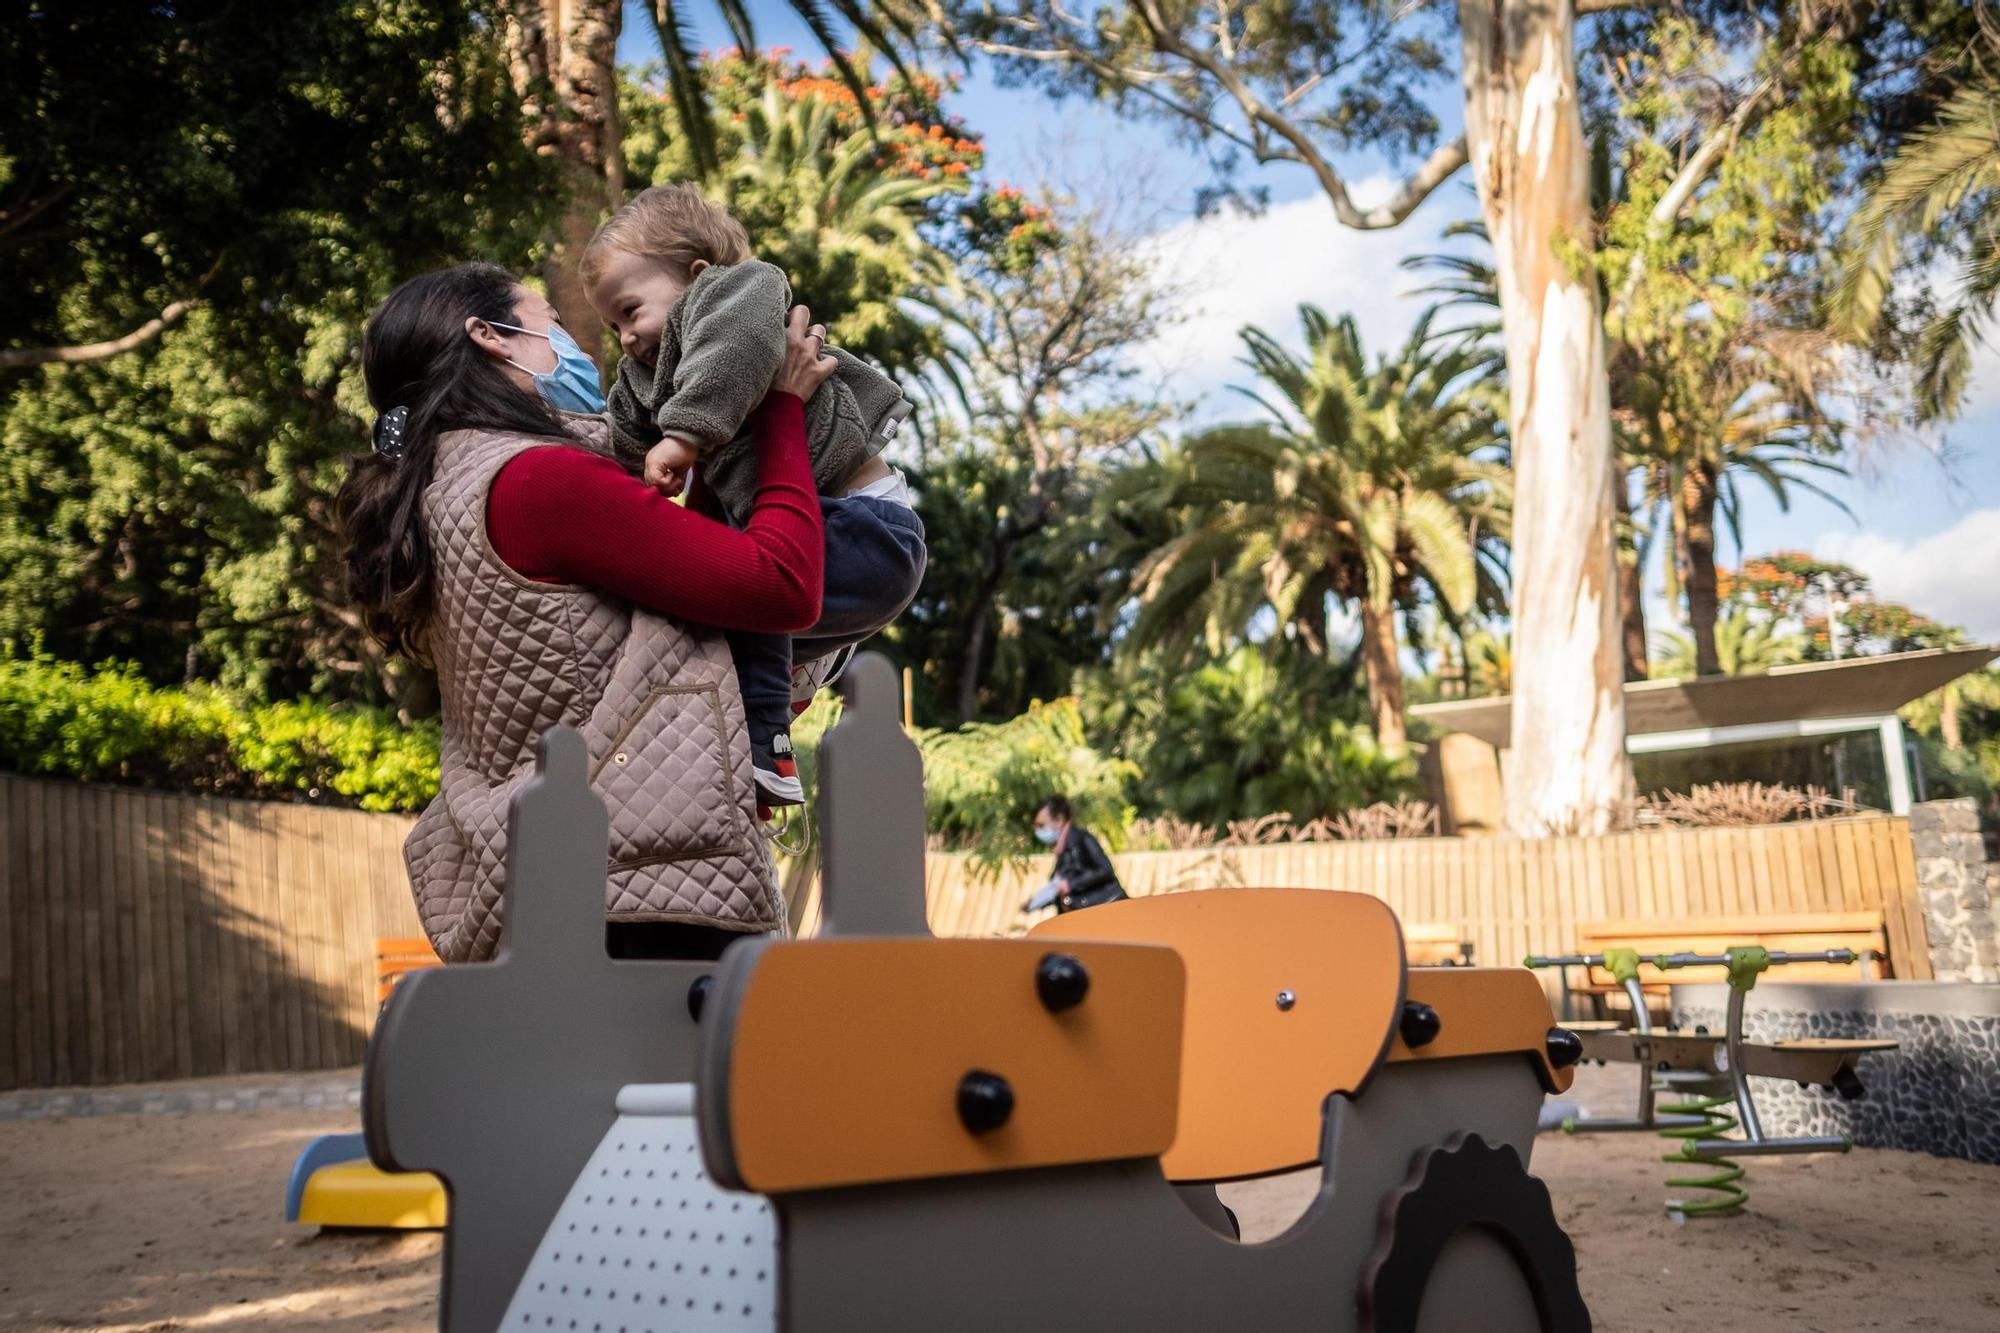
806,363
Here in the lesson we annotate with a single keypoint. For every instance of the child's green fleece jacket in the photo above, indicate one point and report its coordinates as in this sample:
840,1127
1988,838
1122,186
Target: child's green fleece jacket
720,350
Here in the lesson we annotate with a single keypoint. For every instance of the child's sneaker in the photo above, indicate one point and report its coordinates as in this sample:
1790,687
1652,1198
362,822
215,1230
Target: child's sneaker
812,677
777,772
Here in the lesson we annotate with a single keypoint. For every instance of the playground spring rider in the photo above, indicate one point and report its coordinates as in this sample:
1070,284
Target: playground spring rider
879,1129
1712,1071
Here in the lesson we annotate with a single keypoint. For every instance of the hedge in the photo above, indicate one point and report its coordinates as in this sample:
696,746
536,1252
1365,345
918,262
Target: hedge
108,724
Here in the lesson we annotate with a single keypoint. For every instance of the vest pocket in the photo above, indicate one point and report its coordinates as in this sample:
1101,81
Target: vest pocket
669,783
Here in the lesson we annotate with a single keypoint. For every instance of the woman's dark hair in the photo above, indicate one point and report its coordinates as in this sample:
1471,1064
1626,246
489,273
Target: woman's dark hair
415,355
1056,807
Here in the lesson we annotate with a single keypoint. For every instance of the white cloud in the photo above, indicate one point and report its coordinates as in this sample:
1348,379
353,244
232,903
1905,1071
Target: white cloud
1952,576
1238,270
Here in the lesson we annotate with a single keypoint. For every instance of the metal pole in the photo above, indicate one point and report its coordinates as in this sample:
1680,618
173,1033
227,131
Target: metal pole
909,704
1896,764
1746,1109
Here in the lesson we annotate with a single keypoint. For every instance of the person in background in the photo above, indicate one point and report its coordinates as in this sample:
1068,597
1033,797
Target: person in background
1083,875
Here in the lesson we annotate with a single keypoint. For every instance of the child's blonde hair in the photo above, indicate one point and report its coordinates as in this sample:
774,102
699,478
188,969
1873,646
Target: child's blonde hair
672,224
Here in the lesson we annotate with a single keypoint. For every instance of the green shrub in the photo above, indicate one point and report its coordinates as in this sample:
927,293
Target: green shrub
1245,736
108,724
983,781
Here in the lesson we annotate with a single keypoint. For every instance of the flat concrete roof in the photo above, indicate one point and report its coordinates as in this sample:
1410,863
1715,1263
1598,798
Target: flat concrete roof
1854,687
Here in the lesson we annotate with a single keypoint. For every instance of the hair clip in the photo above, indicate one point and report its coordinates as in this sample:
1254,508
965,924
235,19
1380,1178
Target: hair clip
389,432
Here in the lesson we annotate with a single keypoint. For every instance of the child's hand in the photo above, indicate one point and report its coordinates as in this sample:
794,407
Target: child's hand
667,465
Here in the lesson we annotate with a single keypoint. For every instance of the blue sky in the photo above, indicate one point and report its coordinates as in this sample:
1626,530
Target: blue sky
1926,522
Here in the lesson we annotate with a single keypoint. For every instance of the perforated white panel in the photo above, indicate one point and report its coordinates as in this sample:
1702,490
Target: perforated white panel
646,1243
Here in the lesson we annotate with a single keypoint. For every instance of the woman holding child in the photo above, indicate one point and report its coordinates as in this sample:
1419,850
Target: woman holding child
494,532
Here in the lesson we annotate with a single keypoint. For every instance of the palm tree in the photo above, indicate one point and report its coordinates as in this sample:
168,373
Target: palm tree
1939,187
1743,644
1701,433
849,213
868,19
1380,487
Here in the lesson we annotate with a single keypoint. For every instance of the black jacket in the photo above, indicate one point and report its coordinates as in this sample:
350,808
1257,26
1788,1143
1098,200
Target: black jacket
1080,859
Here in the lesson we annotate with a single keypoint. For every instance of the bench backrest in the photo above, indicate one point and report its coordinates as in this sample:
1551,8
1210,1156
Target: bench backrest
1863,932
396,958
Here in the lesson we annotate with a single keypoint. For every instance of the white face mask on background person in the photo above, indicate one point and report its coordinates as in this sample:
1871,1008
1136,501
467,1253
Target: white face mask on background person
1045,835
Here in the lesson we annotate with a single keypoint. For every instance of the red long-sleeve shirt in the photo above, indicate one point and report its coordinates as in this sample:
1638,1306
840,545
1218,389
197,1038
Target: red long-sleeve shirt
564,515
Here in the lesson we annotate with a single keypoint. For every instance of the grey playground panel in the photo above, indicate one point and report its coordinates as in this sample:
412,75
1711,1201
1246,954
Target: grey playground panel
503,1078
1109,1246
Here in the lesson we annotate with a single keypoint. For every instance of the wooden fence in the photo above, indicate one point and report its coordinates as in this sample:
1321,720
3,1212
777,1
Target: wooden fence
1510,896
151,936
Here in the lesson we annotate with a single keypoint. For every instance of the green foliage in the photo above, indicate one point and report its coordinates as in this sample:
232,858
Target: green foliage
1743,642
1349,75
1254,733
283,166
1383,486
110,725
861,218
1021,553
1941,187
983,781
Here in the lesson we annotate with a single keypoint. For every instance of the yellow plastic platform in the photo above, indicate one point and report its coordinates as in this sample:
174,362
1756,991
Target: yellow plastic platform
358,1194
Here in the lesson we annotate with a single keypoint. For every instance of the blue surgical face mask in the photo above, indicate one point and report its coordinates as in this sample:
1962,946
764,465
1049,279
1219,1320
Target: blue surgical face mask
572,386
1045,836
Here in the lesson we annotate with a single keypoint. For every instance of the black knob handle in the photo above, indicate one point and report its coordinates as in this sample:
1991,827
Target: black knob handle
1565,1048
1061,981
1420,1024
698,995
985,1102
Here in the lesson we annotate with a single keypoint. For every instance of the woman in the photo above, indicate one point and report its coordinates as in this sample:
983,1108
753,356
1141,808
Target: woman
491,534
1083,875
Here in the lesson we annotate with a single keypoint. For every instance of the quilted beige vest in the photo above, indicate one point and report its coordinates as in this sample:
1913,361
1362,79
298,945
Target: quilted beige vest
655,699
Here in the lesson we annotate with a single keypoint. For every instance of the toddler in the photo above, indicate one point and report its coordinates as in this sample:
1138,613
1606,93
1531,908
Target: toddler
702,325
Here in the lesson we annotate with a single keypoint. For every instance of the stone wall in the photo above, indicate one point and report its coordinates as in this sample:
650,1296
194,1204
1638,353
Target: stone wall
1957,883
1937,1092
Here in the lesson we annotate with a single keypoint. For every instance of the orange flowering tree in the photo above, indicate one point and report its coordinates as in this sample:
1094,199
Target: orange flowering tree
1797,591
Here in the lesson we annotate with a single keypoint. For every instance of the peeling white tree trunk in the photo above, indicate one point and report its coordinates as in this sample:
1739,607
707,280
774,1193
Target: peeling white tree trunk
1568,770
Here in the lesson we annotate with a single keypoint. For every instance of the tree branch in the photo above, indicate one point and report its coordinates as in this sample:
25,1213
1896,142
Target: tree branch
1701,162
21,357
16,220
18,358
1445,160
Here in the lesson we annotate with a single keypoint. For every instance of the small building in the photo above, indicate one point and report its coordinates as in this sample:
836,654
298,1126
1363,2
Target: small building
1816,724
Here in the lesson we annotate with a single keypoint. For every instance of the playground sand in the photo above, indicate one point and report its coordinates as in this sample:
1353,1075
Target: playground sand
152,1223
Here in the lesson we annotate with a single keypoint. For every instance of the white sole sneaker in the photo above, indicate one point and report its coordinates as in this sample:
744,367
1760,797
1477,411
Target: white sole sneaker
816,675
776,789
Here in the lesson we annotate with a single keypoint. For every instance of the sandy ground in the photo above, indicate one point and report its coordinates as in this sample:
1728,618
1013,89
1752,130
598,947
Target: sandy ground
144,1224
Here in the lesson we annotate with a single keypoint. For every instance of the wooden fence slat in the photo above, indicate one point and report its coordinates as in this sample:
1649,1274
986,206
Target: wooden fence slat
149,916
11,873
99,958
1916,963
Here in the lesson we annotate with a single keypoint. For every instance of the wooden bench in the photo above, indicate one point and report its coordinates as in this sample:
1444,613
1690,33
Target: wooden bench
396,958
1865,933
1427,944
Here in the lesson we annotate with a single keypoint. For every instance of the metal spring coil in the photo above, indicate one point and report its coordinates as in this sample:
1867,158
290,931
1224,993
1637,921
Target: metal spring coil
1726,1196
